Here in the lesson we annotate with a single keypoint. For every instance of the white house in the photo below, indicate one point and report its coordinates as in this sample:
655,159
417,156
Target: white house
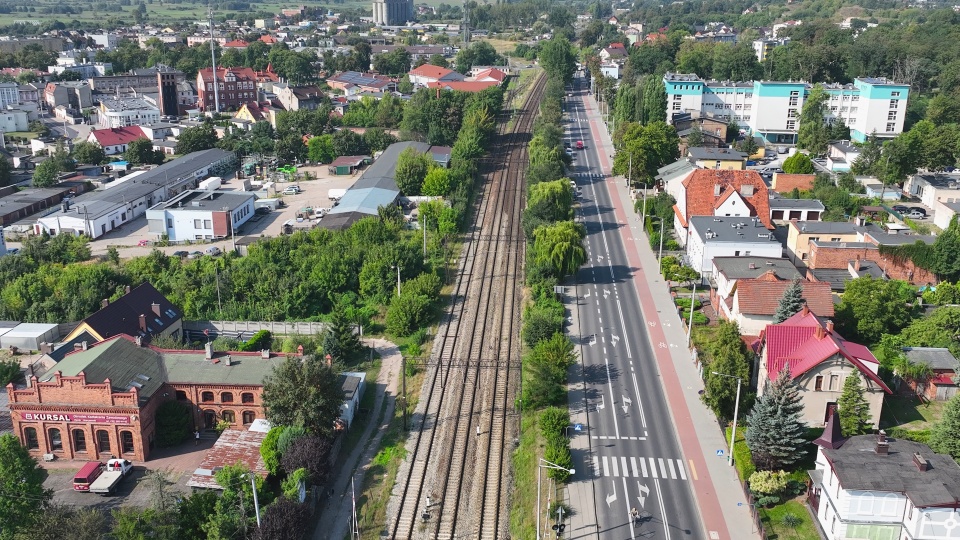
14,120
123,112
841,155
116,140
352,383
932,188
872,486
201,215
728,237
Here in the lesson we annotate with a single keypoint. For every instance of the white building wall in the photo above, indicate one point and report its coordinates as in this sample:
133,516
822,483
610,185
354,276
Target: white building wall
13,121
733,206
116,119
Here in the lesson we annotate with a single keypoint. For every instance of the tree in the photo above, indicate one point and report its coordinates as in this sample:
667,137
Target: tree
873,307
814,134
748,145
46,174
348,143
437,182
559,247
945,434
728,357
88,152
798,163
195,139
233,515
82,523
285,518
339,340
141,152
193,511
946,264
558,59
311,453
405,86
479,53
790,303
852,407
20,474
644,149
378,139
775,426
173,423
412,167
320,149
695,136
303,393
290,149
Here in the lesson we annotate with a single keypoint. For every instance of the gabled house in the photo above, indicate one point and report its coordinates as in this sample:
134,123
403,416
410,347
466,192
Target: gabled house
728,271
717,158
294,98
873,486
819,360
942,384
841,155
752,303
429,73
141,312
712,237
719,193
116,140
614,51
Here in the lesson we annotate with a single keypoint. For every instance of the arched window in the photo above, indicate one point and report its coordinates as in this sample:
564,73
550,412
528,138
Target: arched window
246,397
103,442
865,504
226,397
229,416
126,442
206,397
248,417
181,395
209,419
53,437
889,504
79,441
30,435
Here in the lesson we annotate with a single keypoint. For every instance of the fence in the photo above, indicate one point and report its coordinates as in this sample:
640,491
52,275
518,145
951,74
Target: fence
245,329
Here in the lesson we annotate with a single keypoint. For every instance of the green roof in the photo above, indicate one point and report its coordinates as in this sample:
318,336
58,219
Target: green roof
193,367
120,360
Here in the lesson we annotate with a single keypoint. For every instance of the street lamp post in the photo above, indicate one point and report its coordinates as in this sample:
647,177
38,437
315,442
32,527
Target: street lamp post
544,464
660,252
736,411
398,268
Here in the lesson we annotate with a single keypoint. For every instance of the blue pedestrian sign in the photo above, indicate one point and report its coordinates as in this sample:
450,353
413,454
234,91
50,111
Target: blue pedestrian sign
720,452
578,427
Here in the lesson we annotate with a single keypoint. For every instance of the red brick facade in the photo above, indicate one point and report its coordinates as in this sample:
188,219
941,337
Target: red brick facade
211,403
838,258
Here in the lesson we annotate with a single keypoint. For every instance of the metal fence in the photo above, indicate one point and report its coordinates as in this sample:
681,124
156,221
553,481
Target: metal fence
245,329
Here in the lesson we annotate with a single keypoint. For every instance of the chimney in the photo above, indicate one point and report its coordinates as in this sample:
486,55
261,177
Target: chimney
856,264
83,345
127,289
804,311
156,308
104,303
921,462
882,436
819,333
46,348
77,347
753,266
143,322
830,331
883,447
208,351
139,341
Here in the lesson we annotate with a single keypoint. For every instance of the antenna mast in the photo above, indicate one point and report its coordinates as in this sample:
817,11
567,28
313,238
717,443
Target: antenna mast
466,24
213,61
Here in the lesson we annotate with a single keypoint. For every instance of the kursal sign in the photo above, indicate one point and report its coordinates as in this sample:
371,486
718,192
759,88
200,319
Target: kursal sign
75,417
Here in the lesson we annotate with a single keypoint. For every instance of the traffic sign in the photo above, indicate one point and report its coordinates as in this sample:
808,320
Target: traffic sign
578,427
720,452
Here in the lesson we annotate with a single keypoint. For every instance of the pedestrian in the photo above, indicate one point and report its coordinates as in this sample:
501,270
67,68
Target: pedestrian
196,438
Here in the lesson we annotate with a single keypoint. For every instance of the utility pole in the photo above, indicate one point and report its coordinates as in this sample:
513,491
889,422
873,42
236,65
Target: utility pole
403,388
213,62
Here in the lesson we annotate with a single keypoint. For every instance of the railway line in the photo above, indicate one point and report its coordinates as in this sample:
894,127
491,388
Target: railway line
453,482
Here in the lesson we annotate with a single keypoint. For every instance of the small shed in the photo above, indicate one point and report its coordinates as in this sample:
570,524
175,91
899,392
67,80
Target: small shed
441,155
345,165
352,383
29,336
941,385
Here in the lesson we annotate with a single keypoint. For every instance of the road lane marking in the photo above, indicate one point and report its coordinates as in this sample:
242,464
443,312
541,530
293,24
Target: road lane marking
693,470
653,467
663,469
633,466
683,474
623,461
613,465
606,468
596,466
643,467
673,473
663,510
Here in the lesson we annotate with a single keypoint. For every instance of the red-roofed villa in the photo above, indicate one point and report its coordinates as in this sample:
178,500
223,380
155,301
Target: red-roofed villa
819,360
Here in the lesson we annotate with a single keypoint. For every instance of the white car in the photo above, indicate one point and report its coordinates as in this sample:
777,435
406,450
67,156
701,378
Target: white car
213,251
292,190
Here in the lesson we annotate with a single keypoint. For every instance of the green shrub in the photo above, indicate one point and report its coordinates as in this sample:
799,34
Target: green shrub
287,436
260,341
699,318
553,421
684,302
742,459
558,453
173,423
916,435
541,390
768,483
269,451
9,371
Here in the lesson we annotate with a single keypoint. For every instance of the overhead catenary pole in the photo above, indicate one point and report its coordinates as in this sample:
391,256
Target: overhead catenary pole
213,62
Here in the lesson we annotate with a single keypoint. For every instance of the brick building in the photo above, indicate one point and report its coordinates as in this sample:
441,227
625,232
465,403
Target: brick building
100,400
849,255
236,86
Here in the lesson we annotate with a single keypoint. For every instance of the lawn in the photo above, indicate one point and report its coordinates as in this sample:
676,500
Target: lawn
909,413
776,529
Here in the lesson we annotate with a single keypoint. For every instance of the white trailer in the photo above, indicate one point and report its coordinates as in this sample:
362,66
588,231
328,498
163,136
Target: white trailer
336,194
210,184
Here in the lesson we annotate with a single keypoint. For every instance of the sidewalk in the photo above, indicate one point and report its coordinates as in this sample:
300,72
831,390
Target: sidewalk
335,511
720,498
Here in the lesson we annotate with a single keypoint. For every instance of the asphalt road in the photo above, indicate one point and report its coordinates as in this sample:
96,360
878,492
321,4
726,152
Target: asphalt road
637,458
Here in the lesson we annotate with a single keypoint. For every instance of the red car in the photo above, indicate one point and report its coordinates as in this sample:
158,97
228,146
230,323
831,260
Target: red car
579,145
143,243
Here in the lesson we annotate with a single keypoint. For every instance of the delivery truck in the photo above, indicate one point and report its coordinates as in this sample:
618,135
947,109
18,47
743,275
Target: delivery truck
111,476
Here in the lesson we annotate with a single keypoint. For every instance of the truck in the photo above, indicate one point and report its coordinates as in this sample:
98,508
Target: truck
87,475
113,473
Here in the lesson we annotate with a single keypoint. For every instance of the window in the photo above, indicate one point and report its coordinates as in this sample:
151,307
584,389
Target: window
794,101
228,416
794,93
891,116
53,436
791,113
855,98
894,94
865,504
888,505
739,106
103,441
30,434
79,441
834,382
126,442
736,253
726,106
894,103
747,106
748,95
197,223
791,124
853,110
891,127
226,397
169,223
833,109
207,224
246,397
818,384
206,397
248,417
835,239
676,106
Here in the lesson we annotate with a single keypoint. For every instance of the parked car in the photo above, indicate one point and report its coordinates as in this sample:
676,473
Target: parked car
580,145
213,251
291,191
263,210
782,150
915,213
143,243
900,209
107,481
195,255
88,473
181,254
13,251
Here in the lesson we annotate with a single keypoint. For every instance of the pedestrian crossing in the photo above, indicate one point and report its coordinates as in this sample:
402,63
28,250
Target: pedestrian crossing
587,175
640,467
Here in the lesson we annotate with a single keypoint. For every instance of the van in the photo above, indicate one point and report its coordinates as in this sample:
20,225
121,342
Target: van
88,473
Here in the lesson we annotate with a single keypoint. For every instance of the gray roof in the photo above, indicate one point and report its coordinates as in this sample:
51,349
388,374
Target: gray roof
740,267
380,174
730,229
349,384
795,204
939,180
339,222
700,152
844,146
204,201
837,278
859,467
935,357
245,369
850,245
120,360
365,200
679,167
827,227
900,239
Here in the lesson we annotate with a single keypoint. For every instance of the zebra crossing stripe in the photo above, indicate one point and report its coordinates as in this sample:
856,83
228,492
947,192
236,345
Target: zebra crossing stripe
614,464
639,467
653,468
633,466
606,471
643,467
673,473
623,460
663,469
683,474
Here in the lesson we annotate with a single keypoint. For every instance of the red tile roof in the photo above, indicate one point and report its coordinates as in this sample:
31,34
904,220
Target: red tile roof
492,73
463,86
761,296
268,39
702,195
236,44
117,136
431,71
241,73
803,341
784,183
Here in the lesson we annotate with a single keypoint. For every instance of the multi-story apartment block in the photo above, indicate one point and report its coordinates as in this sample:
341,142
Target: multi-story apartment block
236,86
9,94
771,109
122,112
763,47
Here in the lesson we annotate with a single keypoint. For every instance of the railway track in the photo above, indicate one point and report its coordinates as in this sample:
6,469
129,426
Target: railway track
453,481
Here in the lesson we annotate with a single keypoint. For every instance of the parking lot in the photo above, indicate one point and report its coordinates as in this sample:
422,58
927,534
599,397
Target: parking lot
133,239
